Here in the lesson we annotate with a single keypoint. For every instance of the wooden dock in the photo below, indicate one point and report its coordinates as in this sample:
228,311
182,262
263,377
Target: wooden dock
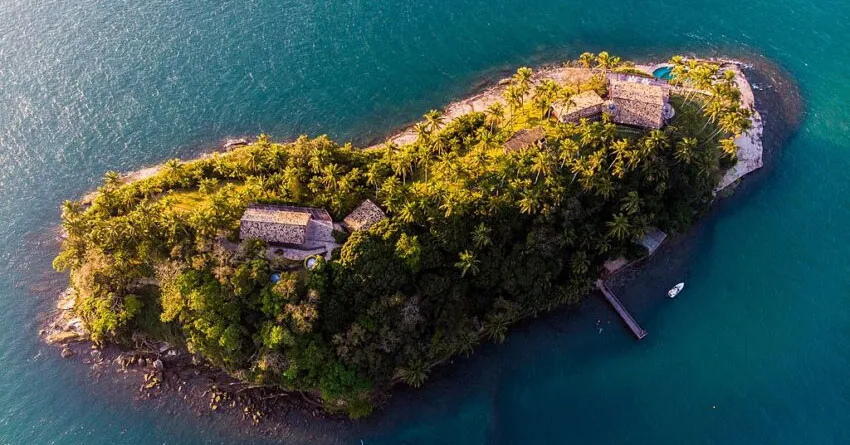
621,310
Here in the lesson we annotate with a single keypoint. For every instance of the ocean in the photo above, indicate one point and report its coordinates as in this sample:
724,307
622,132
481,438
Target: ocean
756,349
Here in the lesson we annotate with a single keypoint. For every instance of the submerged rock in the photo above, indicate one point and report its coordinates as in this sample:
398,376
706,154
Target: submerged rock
66,352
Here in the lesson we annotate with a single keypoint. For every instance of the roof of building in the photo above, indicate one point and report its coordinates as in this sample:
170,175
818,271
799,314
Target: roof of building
588,100
281,224
638,104
275,214
282,214
524,138
652,94
364,216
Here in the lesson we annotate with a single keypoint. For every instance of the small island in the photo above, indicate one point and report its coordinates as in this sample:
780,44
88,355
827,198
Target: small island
334,272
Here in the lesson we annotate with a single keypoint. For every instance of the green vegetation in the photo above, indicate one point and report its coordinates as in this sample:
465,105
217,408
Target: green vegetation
475,238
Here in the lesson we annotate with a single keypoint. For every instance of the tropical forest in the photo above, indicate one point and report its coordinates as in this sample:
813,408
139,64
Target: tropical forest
476,236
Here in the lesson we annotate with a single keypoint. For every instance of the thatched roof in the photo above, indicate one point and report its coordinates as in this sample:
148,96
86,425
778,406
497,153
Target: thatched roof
581,105
363,217
637,104
279,224
524,139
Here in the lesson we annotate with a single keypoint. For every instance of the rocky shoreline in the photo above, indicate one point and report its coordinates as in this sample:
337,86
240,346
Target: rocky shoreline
163,371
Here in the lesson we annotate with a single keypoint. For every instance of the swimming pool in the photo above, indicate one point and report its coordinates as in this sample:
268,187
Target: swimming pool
663,72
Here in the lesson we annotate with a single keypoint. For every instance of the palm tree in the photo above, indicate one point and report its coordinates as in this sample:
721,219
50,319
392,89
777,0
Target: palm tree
494,115
542,164
433,120
619,227
514,98
529,202
523,76
730,148
496,327
631,203
465,342
173,168
657,140
263,141
568,151
685,150
586,59
580,264
331,175
422,132
414,373
603,61
467,263
544,95
375,175
408,212
481,236
391,190
402,164
111,180
440,143
520,83
253,161
277,158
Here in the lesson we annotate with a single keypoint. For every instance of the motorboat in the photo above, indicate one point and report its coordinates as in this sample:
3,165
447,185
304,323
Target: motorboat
675,290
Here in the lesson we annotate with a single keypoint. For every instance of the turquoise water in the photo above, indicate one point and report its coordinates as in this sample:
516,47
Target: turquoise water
663,73
755,350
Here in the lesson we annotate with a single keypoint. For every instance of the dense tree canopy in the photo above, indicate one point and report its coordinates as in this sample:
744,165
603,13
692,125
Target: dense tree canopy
475,239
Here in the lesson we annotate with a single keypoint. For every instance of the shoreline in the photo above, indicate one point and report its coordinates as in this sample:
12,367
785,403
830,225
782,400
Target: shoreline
491,91
82,349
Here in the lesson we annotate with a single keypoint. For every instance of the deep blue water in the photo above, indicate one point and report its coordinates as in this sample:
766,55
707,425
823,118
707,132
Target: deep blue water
755,350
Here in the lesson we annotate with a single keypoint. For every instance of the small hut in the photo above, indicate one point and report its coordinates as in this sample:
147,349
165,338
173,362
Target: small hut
363,217
583,105
638,104
525,138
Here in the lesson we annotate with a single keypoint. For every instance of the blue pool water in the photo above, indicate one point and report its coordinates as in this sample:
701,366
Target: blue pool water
663,73
755,350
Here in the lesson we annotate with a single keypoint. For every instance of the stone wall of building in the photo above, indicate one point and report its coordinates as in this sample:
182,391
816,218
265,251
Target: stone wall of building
273,233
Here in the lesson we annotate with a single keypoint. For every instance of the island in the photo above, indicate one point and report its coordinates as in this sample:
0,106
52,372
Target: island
333,272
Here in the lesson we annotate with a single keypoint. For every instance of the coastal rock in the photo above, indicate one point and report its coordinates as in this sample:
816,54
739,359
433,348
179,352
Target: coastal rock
142,362
158,365
63,337
66,352
230,143
66,300
95,354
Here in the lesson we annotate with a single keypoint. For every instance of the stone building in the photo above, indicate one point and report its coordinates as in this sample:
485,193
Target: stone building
363,217
285,225
638,104
580,106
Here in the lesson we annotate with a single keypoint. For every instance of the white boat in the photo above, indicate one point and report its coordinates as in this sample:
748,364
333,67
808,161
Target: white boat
675,290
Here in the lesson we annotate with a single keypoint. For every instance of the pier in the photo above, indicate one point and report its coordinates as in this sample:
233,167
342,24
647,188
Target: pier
621,310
